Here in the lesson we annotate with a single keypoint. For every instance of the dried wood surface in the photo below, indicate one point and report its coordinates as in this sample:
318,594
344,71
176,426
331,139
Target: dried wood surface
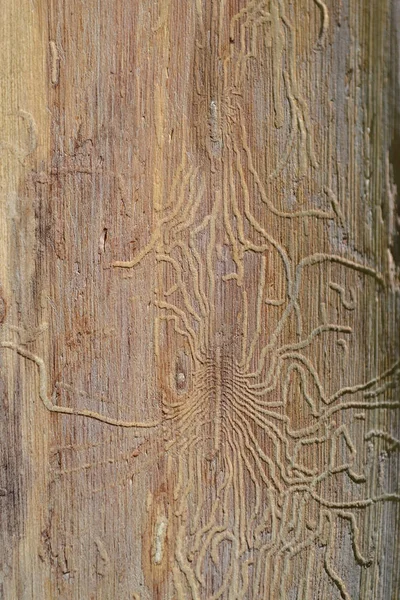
199,299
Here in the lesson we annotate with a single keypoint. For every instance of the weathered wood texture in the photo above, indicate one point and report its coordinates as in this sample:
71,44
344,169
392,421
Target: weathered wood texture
199,271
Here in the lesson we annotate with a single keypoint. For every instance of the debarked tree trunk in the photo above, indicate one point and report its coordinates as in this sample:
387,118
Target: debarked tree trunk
199,300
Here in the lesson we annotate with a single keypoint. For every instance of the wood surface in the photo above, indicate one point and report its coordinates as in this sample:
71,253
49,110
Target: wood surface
199,299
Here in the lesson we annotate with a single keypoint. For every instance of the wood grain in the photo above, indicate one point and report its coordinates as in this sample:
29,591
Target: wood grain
199,300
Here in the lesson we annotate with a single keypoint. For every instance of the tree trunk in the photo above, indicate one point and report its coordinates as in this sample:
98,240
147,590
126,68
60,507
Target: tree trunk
199,299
